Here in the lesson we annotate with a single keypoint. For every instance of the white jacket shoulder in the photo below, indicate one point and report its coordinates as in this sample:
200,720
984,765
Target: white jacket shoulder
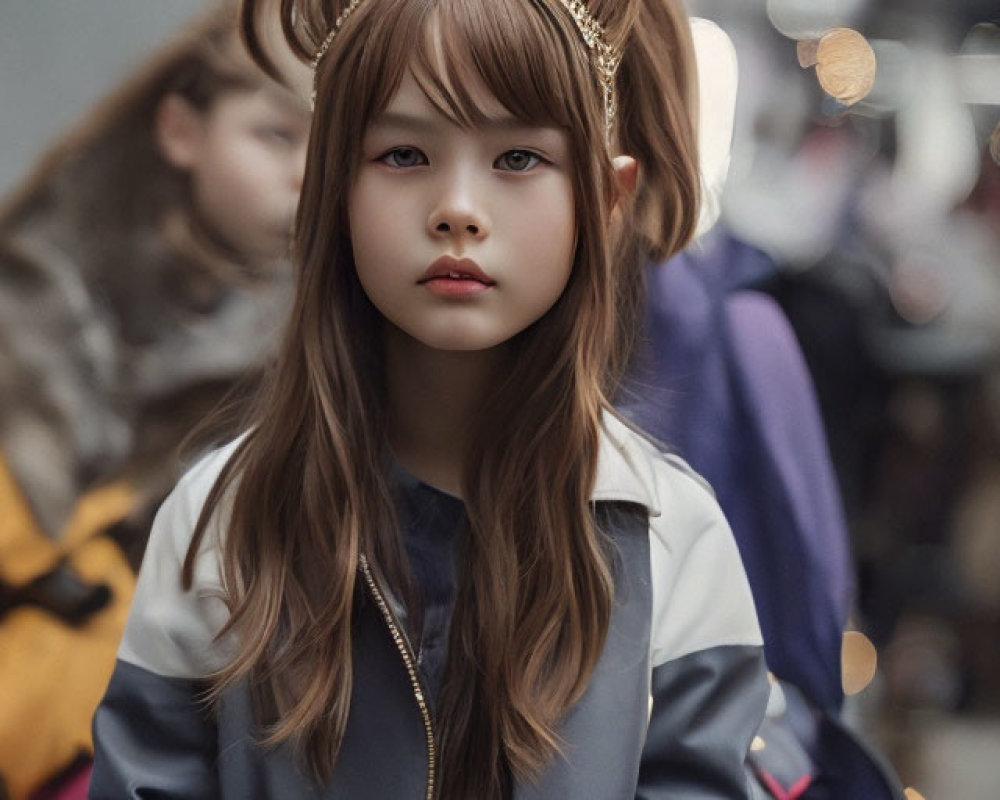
701,596
170,631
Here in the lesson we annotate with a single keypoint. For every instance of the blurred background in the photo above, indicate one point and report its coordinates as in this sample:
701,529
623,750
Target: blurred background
875,190
57,58
882,211
149,175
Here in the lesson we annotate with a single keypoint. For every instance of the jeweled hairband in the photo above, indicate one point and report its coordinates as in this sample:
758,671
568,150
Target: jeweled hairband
604,58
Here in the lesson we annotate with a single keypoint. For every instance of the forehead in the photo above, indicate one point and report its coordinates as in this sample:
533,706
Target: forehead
269,99
420,95
288,102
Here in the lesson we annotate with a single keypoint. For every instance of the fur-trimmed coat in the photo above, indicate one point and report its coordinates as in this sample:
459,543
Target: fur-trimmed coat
109,359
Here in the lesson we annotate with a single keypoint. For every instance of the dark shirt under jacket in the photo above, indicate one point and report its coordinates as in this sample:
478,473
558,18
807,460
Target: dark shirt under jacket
431,521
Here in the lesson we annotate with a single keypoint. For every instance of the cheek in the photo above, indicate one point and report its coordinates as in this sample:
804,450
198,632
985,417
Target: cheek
257,177
361,215
380,222
363,223
375,239
227,191
256,172
379,205
549,235
238,195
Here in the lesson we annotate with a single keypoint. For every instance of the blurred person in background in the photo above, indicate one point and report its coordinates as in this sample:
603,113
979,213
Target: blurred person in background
888,273
143,279
720,379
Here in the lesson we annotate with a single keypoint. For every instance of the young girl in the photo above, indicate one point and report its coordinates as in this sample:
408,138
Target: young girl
438,565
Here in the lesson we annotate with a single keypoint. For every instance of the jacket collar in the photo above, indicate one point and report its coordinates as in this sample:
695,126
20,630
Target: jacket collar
625,466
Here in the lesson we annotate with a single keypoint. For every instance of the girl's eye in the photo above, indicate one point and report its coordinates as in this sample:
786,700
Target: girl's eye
403,157
517,161
281,136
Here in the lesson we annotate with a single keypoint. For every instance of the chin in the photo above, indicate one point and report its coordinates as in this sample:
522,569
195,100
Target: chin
459,341
461,345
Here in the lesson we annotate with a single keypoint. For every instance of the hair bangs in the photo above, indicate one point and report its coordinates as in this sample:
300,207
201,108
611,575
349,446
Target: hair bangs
524,53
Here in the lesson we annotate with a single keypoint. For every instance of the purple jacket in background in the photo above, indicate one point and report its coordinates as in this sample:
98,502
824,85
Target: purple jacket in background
722,382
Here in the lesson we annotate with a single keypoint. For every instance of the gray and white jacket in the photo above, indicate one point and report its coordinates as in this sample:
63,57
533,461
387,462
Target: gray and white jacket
670,711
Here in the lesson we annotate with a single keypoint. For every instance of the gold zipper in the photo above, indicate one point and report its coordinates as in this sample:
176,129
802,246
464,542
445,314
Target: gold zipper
403,645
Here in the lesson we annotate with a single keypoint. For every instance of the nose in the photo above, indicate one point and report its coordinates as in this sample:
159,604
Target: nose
459,212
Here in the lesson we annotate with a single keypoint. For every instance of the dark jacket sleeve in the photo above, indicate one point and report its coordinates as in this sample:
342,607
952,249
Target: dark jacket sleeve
706,708
153,738
708,681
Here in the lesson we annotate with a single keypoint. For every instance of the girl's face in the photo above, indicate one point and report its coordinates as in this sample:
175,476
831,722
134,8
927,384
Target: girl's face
462,237
245,158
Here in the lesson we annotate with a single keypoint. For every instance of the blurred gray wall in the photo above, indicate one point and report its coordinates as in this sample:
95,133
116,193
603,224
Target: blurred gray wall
58,56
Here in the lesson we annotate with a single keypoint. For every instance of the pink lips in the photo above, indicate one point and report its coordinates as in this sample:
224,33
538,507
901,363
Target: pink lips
454,277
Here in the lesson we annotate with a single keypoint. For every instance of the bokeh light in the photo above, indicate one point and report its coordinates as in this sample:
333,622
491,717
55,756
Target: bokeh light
859,662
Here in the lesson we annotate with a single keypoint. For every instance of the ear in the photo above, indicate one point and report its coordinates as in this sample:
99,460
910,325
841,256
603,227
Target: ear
179,130
627,177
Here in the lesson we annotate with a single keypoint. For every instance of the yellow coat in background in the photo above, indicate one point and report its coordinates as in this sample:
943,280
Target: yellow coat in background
52,676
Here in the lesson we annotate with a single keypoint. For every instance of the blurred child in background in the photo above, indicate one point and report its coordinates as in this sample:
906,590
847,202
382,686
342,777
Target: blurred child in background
142,277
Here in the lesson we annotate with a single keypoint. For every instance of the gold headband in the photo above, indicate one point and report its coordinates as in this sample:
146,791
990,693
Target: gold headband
605,58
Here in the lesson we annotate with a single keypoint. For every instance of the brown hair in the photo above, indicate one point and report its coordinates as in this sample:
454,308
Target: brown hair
306,491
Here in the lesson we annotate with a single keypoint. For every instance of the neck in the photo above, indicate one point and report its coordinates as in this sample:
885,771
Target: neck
435,398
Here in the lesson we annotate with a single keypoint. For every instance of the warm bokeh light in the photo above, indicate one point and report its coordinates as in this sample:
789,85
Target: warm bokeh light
913,794
845,64
918,291
859,661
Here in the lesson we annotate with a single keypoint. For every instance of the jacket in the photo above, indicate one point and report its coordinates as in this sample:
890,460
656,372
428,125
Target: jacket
670,710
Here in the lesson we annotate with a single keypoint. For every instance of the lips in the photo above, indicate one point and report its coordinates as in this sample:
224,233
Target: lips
451,269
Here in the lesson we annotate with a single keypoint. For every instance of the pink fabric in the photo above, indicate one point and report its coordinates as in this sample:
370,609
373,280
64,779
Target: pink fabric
795,791
72,787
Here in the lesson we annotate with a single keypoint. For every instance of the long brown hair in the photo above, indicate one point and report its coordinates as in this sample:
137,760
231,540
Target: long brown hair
306,491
